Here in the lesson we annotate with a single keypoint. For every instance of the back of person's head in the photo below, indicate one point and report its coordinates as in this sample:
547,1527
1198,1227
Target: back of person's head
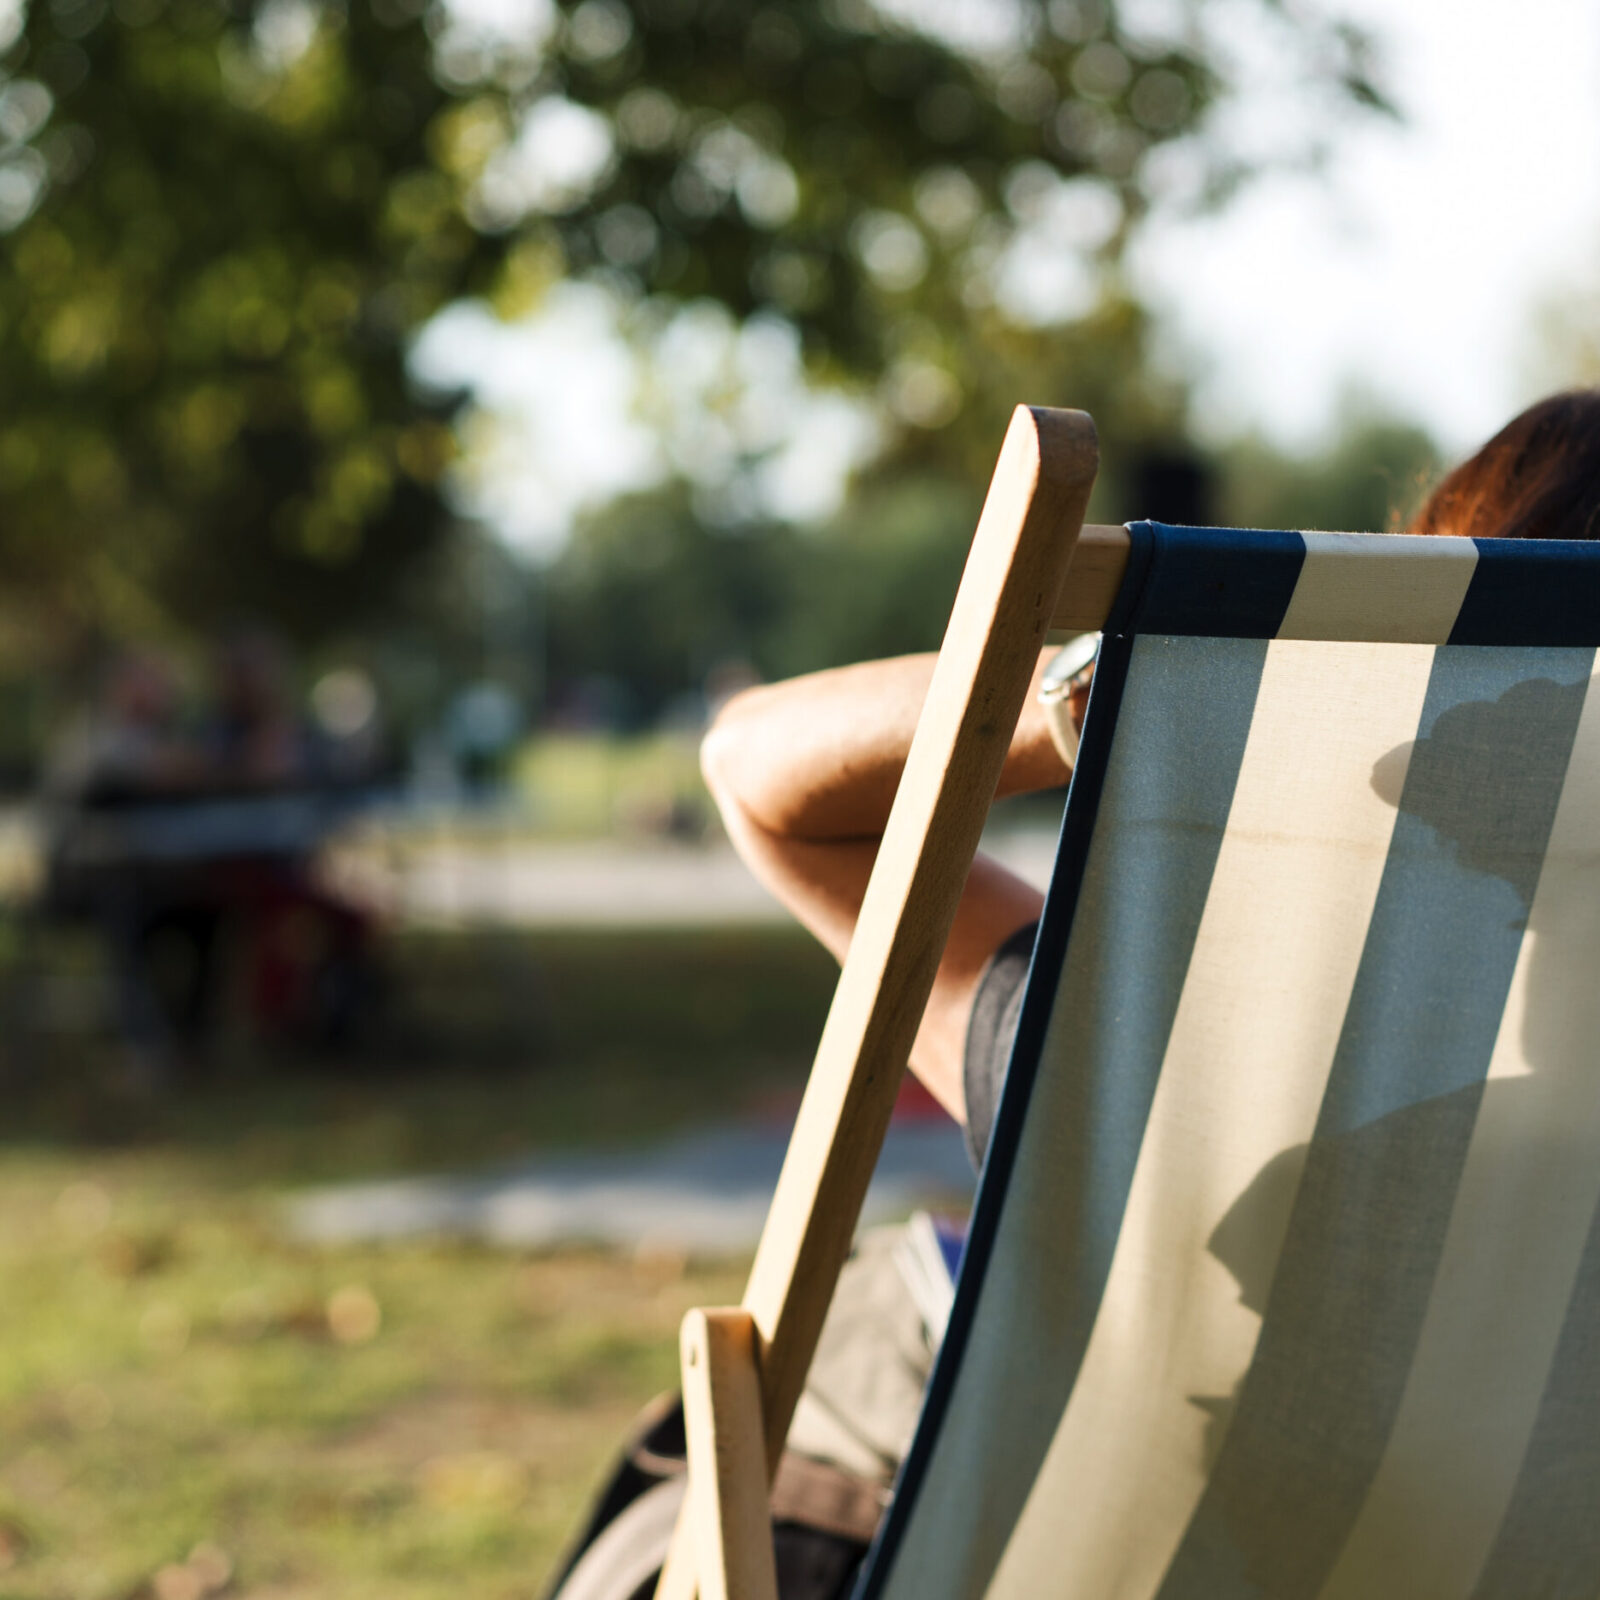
1538,478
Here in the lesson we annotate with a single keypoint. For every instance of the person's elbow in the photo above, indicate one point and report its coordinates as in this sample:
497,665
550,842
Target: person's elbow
724,751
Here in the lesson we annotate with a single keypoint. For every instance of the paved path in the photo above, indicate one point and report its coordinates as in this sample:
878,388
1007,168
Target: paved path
470,876
525,884
705,1192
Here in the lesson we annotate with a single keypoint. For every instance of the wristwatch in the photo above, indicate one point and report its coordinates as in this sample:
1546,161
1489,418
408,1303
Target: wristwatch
1064,680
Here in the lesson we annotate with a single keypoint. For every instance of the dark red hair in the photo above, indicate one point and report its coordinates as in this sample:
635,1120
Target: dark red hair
1538,478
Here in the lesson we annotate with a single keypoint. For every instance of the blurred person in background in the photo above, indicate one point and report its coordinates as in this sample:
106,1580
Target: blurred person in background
307,967
132,747
190,843
133,740
254,737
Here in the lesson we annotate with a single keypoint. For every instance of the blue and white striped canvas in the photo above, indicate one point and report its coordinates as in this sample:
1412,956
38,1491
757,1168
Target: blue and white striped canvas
1284,1277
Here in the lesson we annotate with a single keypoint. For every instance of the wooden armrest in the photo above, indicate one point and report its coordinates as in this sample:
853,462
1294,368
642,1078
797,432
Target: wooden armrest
1099,560
727,1506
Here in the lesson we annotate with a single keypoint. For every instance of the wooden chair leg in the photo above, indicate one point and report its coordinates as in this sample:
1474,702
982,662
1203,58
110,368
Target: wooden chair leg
728,1487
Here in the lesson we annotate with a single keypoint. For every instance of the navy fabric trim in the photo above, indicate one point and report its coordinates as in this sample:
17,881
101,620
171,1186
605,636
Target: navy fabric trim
1223,583
1532,591
1055,926
1236,583
1141,547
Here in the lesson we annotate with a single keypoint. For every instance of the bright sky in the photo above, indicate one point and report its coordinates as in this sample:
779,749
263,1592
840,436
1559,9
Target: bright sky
1413,270
1410,272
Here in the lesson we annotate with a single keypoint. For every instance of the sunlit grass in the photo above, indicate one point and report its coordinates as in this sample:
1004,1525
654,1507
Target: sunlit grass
583,784
177,1376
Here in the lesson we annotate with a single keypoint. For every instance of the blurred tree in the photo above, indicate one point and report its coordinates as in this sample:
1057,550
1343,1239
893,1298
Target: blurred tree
1566,339
655,593
650,599
648,602
224,223
940,219
227,218
1372,476
893,193
942,224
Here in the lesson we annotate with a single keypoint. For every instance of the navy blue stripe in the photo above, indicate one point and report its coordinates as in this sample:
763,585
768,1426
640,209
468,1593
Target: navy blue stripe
1532,591
1226,583
1372,1197
1480,792
1167,785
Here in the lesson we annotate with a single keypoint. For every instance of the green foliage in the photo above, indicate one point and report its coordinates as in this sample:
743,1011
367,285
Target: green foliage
873,185
1373,477
202,323
833,163
225,220
1566,340
836,168
651,596
649,600
893,196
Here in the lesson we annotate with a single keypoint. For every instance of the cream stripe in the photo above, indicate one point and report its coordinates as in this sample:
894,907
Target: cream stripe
1528,1190
1378,586
1244,1072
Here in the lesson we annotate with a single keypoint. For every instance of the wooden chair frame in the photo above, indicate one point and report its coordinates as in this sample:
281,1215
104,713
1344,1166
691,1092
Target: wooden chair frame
1033,570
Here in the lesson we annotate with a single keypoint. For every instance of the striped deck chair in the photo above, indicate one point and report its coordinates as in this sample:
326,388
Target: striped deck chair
1284,1273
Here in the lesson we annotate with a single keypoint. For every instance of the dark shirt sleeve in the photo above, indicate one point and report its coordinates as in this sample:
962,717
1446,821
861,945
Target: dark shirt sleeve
990,1032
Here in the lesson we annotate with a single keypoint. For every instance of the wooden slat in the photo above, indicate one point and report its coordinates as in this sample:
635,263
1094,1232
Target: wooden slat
1004,608
727,1505
680,1575
1098,563
1005,604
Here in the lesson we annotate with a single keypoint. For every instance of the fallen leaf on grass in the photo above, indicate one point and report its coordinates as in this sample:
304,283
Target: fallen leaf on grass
208,1571
354,1315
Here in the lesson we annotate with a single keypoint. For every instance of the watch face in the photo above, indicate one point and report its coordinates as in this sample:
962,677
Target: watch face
1073,662
1064,693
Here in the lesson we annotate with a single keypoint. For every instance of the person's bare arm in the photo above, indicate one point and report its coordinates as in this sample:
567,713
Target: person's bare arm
804,774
